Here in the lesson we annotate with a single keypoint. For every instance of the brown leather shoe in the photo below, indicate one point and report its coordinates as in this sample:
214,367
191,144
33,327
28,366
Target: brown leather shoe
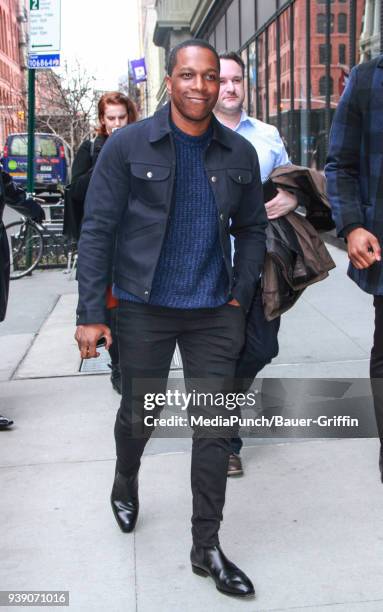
235,465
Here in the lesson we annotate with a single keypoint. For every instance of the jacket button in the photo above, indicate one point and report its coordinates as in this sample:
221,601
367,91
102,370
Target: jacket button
221,217
149,174
240,179
213,179
146,293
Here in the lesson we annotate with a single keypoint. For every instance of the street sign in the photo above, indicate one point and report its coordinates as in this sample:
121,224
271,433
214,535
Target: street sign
44,61
44,27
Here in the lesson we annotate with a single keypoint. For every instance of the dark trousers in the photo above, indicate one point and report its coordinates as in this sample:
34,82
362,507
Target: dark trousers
260,347
376,365
210,341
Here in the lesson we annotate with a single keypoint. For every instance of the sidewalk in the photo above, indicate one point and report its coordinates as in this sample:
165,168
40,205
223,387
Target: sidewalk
304,522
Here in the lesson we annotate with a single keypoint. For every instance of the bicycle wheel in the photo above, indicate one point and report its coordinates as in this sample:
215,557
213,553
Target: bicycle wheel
26,243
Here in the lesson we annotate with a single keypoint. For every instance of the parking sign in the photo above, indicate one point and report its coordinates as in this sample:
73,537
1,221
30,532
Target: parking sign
44,26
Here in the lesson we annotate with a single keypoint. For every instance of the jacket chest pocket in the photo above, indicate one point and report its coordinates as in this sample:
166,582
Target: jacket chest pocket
237,181
149,183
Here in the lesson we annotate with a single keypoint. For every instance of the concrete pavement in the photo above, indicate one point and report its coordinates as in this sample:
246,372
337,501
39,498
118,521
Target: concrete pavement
304,522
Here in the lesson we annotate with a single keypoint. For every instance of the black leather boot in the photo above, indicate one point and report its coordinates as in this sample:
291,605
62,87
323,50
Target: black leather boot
124,500
228,578
115,377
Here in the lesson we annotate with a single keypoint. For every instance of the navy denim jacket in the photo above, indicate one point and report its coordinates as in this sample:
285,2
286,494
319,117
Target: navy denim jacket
128,204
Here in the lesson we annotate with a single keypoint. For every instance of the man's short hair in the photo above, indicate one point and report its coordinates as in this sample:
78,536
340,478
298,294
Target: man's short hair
192,42
232,55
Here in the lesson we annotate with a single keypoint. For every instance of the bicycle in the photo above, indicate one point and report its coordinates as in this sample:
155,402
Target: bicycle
26,245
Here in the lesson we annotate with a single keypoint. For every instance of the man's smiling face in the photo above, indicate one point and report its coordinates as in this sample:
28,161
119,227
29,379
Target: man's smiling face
194,83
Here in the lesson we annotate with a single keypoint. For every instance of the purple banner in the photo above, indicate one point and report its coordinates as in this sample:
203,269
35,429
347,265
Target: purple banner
139,70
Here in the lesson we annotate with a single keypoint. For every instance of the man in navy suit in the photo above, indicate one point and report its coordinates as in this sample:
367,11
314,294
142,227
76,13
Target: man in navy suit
354,174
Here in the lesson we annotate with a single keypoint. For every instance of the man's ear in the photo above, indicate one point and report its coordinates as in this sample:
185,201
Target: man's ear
168,81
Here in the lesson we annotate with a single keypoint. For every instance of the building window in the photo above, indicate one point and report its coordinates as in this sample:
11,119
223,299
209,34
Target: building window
322,86
342,23
323,53
342,54
321,23
247,19
232,25
220,36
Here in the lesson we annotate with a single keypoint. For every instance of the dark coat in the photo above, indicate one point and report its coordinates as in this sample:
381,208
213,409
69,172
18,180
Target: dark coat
354,169
16,198
83,165
75,193
128,203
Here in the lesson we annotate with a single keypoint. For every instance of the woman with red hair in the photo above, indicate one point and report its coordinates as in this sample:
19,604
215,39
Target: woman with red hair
115,110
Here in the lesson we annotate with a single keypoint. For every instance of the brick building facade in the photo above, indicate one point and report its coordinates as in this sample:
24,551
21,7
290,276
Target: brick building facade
339,55
297,53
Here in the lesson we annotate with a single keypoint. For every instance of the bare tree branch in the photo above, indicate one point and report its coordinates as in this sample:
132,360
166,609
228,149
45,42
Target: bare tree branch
65,104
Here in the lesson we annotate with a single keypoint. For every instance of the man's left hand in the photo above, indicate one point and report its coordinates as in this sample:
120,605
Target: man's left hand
282,204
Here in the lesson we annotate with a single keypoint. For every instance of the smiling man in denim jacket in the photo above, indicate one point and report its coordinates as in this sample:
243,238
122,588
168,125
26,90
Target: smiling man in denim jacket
164,197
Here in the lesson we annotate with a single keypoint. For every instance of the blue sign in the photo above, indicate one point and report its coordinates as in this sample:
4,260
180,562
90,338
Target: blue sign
139,70
49,60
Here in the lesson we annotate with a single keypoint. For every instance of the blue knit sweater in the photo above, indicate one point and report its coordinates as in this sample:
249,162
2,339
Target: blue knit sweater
190,272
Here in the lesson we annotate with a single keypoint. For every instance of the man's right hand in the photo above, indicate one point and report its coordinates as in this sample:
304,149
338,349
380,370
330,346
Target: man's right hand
363,248
87,337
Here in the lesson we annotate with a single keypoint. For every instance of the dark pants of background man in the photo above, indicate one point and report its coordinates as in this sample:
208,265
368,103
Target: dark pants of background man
210,340
261,346
376,365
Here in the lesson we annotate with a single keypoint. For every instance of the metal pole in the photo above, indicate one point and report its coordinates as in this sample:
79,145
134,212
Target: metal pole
266,60
381,26
308,151
293,137
31,153
147,98
278,76
258,113
240,22
249,110
308,56
327,116
352,40
31,132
